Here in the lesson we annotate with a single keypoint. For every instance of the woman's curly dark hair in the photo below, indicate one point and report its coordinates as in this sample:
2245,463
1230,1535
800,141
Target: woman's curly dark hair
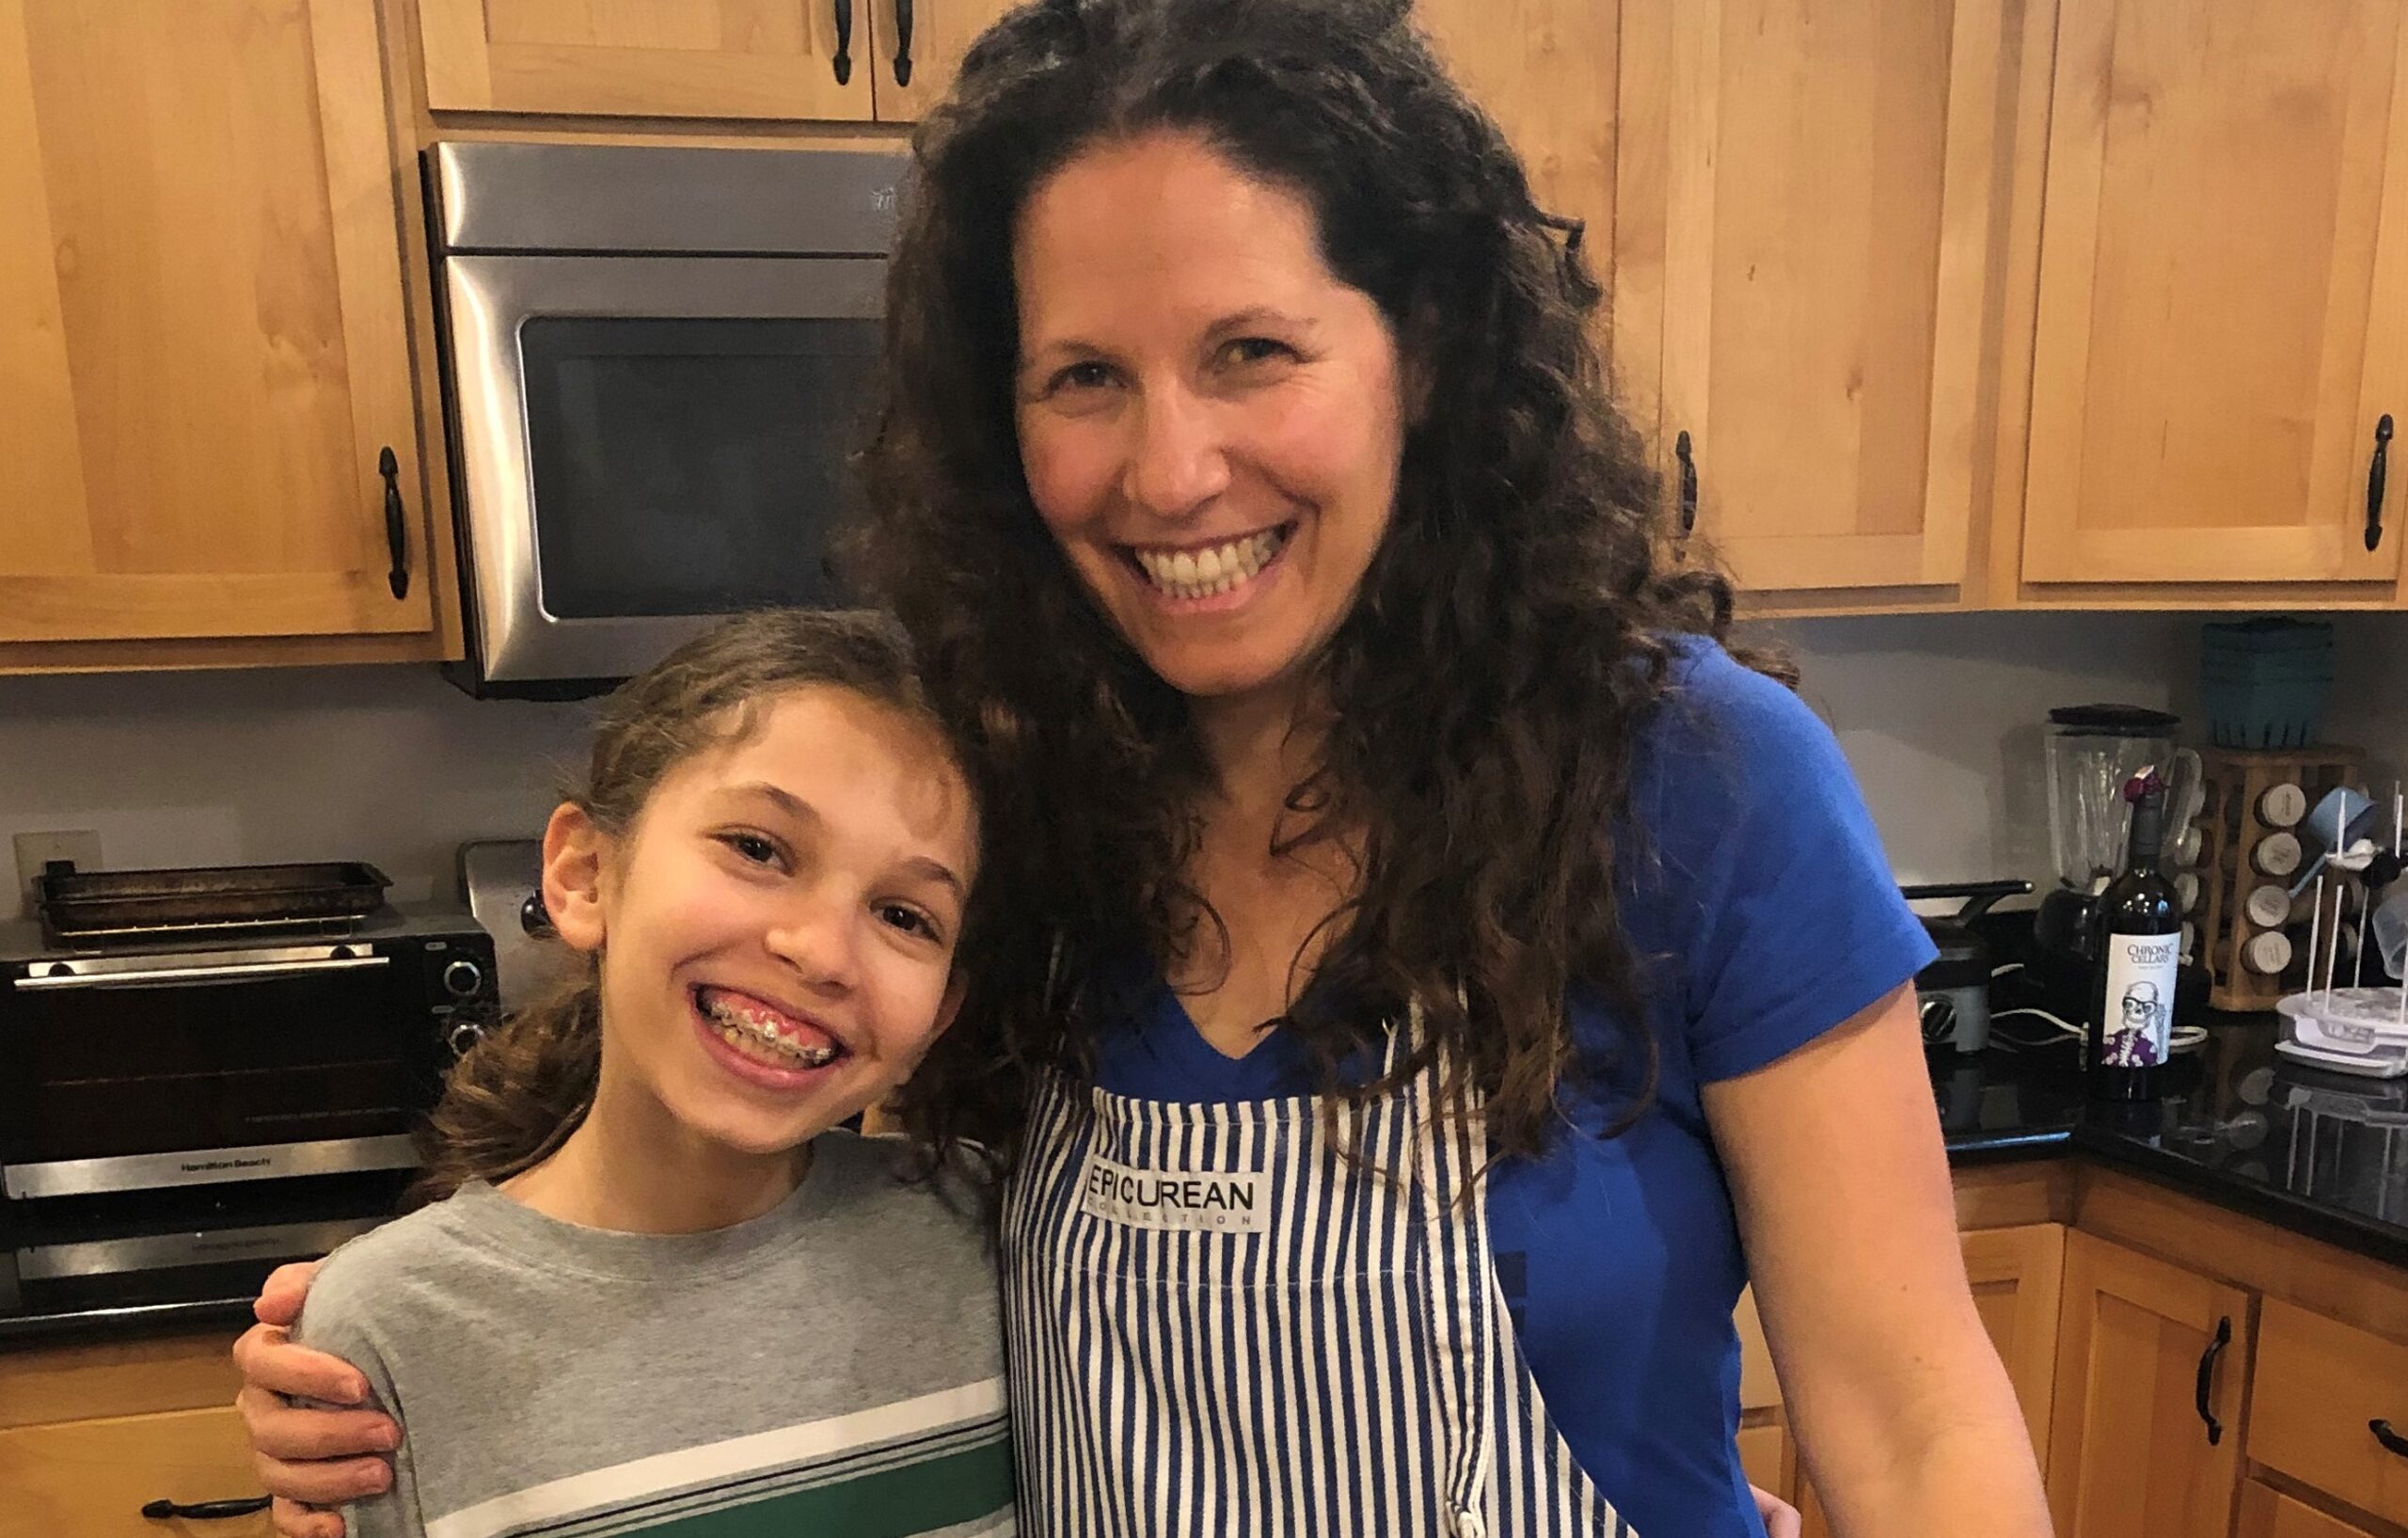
1508,643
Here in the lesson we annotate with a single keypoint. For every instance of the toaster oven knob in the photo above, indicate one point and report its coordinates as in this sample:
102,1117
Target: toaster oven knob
461,980
463,1036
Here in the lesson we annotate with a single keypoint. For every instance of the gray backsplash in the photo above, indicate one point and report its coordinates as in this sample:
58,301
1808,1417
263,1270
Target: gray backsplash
1940,714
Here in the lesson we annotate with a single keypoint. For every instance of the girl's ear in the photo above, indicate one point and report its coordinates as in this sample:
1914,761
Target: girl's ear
574,848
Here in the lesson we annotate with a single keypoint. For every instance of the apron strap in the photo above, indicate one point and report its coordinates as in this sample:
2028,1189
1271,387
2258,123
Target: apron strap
1448,1170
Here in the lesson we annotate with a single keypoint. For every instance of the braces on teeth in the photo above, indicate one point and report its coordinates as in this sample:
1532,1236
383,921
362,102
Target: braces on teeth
737,1031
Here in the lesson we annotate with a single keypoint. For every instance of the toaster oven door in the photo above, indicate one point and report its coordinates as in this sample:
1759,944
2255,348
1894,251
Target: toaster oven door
645,442
132,1073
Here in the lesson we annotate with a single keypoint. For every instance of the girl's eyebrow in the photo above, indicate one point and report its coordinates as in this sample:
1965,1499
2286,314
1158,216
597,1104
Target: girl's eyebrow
802,811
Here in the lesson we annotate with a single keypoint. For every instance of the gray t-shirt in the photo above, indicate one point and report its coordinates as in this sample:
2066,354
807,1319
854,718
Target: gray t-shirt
832,1368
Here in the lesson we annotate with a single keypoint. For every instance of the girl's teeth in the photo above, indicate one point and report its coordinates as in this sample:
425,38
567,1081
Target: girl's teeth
760,1039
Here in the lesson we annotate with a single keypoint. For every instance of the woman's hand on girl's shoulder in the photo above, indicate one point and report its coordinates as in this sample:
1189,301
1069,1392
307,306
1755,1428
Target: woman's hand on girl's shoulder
307,1457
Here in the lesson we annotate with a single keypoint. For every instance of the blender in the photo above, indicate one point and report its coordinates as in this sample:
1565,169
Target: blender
2092,751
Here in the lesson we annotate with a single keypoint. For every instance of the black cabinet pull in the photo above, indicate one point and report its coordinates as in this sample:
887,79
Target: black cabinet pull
204,1511
397,533
2208,1378
1682,451
902,43
844,42
2375,474
2392,1441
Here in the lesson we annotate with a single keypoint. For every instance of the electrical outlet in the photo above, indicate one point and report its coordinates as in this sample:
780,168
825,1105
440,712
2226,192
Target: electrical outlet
34,850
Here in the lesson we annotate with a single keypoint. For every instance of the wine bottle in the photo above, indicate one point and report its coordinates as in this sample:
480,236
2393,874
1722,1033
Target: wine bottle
2140,950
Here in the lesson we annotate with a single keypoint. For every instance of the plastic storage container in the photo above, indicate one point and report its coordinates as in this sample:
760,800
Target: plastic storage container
2262,682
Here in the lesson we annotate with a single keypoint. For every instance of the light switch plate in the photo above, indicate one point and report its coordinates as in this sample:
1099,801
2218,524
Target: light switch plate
35,851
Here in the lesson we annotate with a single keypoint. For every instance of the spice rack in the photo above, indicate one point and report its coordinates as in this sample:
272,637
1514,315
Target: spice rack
2242,843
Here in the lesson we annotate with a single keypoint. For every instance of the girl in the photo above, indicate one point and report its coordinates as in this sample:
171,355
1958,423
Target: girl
661,1286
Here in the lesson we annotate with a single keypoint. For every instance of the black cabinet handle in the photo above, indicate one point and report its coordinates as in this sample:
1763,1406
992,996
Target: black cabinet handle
2208,1378
1682,451
2375,474
2392,1441
205,1511
844,42
397,534
902,43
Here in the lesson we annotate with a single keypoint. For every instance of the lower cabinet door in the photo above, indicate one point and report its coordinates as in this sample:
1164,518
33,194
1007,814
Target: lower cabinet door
2144,1434
90,1479
2267,1512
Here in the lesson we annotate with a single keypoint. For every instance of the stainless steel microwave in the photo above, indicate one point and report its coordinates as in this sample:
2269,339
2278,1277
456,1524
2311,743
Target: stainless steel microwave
656,363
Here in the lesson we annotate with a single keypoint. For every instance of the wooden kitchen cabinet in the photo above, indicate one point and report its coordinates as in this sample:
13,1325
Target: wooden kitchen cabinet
91,1478
776,60
2322,1388
203,355
2018,1277
2267,1512
1808,270
941,31
2129,1451
2222,312
90,1433
1545,70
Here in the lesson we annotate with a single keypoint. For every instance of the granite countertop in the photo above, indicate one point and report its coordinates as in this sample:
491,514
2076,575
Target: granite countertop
2323,1154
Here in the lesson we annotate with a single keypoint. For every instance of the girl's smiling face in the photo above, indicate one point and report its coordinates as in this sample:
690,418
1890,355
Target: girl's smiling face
777,929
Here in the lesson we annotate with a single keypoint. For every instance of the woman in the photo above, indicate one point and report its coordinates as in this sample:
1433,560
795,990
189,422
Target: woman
1435,974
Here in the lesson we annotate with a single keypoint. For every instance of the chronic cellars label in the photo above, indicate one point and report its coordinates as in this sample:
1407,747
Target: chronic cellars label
2140,998
1206,1200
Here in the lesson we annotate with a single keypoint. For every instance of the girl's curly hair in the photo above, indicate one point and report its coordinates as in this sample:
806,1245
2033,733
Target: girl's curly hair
1509,640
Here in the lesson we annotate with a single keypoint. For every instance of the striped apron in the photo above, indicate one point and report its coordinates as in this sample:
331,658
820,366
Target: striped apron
1220,1326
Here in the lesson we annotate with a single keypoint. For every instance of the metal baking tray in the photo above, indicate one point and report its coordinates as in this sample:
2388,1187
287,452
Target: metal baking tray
129,902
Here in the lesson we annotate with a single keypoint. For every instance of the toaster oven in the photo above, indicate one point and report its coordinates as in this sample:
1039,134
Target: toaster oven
180,1114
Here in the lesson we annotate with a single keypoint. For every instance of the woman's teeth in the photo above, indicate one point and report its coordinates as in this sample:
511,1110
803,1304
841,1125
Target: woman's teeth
763,1034
1216,568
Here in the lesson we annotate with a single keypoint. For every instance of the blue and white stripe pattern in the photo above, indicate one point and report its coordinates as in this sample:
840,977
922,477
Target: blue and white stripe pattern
1321,1351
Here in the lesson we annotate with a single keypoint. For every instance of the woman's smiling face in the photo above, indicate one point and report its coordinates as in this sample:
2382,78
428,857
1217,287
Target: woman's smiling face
1210,421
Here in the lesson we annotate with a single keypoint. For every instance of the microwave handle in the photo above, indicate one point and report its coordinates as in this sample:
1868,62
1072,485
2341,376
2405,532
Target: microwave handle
168,976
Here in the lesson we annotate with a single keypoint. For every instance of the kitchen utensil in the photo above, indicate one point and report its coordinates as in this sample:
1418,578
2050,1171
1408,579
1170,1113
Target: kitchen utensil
76,904
1953,992
2092,753
502,880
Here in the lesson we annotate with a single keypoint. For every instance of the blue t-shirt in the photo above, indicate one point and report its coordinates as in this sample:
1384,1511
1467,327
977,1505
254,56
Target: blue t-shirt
1758,884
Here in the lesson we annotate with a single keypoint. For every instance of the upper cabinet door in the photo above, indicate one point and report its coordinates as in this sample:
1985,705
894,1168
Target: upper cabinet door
2224,294
920,45
202,352
778,60
1809,264
1545,70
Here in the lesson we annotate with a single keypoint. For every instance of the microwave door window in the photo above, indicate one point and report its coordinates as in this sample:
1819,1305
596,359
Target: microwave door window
691,466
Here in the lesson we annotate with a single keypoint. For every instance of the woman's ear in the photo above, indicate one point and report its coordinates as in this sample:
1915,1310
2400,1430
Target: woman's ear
955,987
1417,373
574,846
